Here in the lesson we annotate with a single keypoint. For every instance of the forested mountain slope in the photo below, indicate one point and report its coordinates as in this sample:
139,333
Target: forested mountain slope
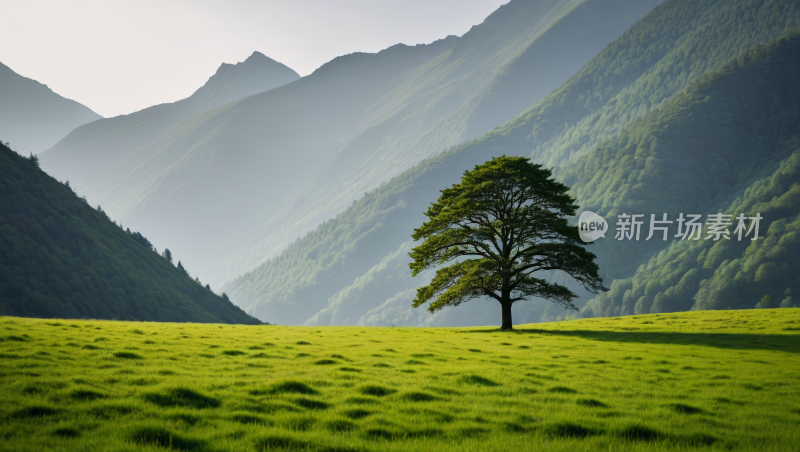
80,156
694,154
730,133
725,274
519,54
32,116
61,258
674,46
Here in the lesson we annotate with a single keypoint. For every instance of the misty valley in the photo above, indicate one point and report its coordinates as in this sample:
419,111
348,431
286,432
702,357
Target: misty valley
575,226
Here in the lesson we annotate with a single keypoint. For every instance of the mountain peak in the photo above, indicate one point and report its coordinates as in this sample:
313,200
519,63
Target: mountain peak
256,55
256,74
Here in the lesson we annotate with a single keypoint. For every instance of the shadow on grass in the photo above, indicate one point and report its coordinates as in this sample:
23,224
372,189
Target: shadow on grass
155,436
781,342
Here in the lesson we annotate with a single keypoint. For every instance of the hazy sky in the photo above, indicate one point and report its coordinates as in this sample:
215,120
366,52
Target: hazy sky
117,57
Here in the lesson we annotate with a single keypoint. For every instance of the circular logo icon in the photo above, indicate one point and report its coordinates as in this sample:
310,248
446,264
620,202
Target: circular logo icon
591,226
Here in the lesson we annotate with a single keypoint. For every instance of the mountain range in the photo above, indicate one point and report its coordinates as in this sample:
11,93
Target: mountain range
500,67
249,177
358,263
297,196
83,154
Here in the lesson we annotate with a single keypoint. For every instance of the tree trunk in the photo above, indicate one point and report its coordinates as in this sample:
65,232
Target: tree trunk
506,324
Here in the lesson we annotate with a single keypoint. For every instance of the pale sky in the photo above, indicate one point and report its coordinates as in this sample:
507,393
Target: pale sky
117,57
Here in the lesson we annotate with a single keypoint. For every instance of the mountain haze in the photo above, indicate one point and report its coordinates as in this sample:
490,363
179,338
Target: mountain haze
518,55
32,116
80,156
210,177
61,258
662,62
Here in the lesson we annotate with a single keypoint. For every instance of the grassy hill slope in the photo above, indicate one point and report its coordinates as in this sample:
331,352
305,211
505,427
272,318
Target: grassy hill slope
721,380
61,258
641,64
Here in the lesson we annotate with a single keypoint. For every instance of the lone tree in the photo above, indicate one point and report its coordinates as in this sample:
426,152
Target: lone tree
501,224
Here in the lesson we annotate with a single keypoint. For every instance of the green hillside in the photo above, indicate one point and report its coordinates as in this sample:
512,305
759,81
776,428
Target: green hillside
708,381
598,103
61,258
698,152
725,274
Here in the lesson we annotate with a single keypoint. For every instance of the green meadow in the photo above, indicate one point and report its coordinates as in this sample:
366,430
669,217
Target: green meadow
714,380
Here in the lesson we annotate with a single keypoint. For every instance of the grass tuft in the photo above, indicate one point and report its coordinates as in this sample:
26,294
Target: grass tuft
161,437
562,390
417,396
280,442
698,440
592,403
311,404
182,397
357,413
66,432
640,433
248,419
685,409
291,387
377,391
568,430
127,355
340,425
34,411
86,394
478,380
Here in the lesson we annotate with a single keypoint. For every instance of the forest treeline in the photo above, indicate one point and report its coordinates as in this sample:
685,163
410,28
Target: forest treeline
59,257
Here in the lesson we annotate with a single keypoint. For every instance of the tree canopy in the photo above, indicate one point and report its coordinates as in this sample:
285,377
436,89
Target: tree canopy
504,222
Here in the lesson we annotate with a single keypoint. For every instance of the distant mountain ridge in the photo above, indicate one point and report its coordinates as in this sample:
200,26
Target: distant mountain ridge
231,82
80,155
214,174
248,178
516,56
32,116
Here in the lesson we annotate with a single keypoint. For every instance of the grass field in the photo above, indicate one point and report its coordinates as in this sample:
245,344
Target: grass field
717,380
